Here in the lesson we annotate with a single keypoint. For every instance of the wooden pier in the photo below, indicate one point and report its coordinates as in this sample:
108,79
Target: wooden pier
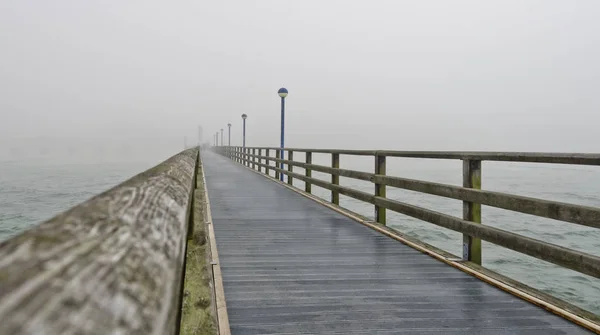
282,261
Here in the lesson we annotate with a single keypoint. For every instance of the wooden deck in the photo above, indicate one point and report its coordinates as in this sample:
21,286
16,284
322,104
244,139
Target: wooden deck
293,266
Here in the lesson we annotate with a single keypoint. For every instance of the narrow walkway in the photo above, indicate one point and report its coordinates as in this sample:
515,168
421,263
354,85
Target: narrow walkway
292,266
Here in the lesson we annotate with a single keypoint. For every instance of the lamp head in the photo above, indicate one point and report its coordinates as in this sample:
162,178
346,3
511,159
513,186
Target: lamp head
283,92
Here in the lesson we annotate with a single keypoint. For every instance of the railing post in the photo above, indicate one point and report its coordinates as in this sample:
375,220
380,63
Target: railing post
237,154
267,162
246,152
259,160
335,179
380,189
277,153
472,211
253,159
308,173
290,167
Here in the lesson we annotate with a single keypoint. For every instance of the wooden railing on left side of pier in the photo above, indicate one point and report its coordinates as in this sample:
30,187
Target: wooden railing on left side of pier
113,264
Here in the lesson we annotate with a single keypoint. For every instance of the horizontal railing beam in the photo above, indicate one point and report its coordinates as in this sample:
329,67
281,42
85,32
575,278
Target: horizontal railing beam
568,258
524,157
583,215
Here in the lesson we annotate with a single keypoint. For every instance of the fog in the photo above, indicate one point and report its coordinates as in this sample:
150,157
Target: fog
101,79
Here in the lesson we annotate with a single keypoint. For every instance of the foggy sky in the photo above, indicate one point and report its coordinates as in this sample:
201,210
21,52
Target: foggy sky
407,75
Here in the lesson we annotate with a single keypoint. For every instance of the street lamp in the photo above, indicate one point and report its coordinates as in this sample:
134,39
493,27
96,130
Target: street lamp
283,92
244,117
217,138
222,142
229,141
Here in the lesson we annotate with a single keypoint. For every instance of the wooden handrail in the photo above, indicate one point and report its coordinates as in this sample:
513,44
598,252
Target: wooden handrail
527,157
113,263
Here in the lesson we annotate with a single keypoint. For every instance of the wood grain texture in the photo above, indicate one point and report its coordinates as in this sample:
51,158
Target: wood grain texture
111,265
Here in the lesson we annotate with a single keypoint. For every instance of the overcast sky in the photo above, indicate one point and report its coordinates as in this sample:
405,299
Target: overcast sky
409,75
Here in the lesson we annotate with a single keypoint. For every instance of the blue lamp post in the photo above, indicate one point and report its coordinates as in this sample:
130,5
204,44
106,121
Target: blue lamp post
283,92
244,117
229,135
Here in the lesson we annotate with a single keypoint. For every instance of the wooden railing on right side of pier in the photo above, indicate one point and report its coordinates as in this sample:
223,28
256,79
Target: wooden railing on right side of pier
470,193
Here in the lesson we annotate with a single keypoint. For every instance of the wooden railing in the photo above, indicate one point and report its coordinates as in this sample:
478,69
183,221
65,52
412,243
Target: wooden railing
471,195
112,265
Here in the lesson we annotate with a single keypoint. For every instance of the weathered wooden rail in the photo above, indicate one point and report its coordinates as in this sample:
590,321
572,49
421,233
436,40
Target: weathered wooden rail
112,265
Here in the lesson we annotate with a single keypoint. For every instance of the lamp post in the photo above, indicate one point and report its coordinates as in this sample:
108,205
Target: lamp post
283,92
244,117
217,138
229,134
222,142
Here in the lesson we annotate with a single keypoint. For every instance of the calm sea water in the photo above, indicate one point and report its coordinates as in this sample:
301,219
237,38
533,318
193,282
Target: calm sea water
31,192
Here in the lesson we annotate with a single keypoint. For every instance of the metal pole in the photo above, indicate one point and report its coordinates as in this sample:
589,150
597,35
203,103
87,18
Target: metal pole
244,134
282,134
222,142
229,143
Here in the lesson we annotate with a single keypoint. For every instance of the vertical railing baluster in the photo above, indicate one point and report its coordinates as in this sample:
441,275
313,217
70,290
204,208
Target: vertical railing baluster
267,162
259,160
253,159
308,173
277,153
380,191
335,179
290,180
472,211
